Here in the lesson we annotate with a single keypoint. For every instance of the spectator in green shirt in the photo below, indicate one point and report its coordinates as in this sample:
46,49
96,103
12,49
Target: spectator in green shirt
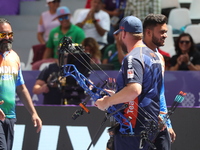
113,54
66,28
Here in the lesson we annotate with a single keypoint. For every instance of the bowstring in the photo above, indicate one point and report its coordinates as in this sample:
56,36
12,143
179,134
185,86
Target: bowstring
94,63
90,68
147,114
144,111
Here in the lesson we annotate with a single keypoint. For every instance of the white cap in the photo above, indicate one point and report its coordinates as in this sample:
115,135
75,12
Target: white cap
49,1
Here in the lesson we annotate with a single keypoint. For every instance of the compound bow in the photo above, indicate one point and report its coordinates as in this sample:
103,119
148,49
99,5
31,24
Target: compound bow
66,46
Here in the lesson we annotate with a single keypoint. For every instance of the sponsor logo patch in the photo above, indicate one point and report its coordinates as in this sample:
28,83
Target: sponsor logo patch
130,73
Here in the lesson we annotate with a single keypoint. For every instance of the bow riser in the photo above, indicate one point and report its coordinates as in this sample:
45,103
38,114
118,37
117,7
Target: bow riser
71,70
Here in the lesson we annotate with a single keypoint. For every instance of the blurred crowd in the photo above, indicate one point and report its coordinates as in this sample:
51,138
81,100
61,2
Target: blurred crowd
93,27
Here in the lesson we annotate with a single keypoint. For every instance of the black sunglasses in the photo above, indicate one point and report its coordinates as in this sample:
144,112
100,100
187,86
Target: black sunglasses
186,42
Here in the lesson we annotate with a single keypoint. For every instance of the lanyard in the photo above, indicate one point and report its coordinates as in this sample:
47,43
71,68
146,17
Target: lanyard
113,55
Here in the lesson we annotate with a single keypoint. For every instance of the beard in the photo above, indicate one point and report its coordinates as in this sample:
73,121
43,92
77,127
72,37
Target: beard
158,42
123,46
5,45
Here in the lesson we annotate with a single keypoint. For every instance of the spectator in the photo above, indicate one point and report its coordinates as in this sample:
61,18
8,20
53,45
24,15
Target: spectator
116,11
11,82
55,89
58,90
187,57
65,29
91,46
113,54
47,83
46,22
142,8
95,22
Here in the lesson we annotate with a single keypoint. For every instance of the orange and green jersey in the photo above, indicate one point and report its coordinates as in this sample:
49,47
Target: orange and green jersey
10,78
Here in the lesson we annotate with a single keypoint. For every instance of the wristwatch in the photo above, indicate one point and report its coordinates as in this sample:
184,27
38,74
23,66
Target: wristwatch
189,63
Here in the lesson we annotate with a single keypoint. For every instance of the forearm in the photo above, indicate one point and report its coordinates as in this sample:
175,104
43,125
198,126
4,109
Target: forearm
25,97
169,125
40,38
173,68
38,89
81,24
193,67
47,53
99,29
40,32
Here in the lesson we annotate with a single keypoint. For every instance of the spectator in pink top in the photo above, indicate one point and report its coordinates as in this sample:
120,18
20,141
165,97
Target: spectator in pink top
46,22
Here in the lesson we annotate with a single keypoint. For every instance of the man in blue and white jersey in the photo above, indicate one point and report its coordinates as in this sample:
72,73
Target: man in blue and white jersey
155,33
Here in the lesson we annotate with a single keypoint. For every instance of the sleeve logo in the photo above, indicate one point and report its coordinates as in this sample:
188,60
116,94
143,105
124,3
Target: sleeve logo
130,73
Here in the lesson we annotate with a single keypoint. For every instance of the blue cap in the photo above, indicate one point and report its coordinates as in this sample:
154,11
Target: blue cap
63,10
130,24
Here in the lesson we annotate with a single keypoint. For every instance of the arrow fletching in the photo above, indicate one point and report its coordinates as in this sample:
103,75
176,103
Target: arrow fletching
180,97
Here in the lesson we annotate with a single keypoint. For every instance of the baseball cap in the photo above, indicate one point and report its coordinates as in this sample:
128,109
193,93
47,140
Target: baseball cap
63,10
47,1
130,24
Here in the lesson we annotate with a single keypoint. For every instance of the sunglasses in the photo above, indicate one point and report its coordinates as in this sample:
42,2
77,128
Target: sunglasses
63,18
4,34
186,42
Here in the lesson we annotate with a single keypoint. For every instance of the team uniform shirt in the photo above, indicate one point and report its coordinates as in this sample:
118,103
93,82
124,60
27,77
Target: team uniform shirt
75,33
163,105
143,66
102,19
11,77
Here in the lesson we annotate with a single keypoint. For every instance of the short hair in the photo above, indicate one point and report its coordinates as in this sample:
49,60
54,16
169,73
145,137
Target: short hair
138,36
3,20
152,20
